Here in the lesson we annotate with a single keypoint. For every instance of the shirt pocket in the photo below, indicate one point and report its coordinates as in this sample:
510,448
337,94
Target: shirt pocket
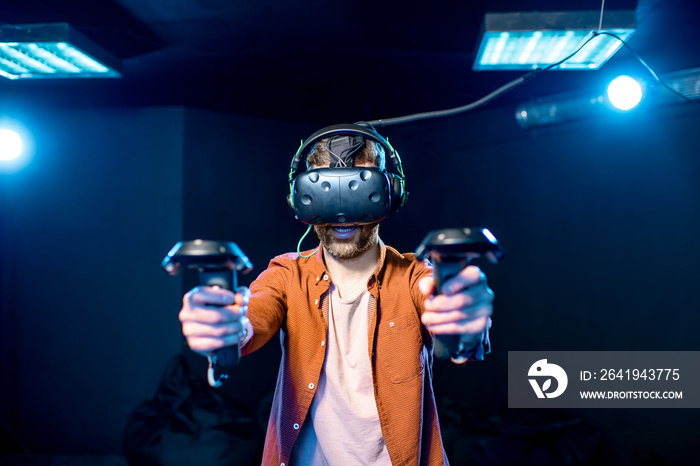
406,352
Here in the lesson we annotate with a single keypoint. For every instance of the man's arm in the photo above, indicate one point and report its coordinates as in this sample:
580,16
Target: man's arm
268,304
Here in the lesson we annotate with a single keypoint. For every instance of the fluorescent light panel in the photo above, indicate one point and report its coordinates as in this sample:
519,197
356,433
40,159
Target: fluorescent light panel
52,50
529,40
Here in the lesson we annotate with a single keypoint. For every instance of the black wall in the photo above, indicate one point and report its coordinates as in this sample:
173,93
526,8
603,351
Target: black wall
599,221
87,320
598,218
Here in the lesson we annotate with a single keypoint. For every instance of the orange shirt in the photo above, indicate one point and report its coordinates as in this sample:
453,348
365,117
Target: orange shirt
292,296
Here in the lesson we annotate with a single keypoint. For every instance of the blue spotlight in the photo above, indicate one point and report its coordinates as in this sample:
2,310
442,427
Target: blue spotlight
10,145
624,93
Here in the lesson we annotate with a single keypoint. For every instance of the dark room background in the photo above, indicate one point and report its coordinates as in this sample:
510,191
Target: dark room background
598,218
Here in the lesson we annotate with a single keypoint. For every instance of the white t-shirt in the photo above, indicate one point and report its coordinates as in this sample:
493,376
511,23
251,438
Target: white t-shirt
342,427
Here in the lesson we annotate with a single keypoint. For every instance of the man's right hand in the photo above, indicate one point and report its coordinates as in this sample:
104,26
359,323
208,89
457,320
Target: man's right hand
214,318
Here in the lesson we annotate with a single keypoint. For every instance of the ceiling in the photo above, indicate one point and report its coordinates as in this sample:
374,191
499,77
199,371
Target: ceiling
321,61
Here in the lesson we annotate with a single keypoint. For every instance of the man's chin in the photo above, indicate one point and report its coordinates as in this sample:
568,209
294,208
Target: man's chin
347,242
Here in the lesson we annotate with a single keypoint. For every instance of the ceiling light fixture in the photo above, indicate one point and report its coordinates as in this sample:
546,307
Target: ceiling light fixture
531,40
52,50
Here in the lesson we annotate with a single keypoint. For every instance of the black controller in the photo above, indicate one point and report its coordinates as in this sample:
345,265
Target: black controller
217,263
450,250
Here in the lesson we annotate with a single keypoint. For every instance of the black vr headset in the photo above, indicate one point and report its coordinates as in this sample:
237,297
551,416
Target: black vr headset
344,194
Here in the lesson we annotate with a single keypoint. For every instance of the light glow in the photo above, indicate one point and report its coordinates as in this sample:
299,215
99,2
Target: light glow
624,93
10,145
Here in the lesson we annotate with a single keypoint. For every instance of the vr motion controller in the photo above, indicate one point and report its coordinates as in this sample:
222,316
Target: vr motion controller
450,250
217,263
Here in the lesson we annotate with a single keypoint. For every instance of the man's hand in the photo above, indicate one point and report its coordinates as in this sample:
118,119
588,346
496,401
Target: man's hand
463,309
214,318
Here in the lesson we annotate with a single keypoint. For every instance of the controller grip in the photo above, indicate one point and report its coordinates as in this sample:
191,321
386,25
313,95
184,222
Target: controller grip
220,364
446,346
223,360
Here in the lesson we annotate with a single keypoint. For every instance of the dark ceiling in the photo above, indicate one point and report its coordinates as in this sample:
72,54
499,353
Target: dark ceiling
322,61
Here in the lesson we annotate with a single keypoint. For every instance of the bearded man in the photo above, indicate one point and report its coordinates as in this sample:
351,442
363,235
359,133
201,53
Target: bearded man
356,320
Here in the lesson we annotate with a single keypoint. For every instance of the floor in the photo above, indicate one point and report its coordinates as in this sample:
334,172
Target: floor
19,459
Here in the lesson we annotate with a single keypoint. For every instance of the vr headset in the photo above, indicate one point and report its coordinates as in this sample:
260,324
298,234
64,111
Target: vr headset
343,194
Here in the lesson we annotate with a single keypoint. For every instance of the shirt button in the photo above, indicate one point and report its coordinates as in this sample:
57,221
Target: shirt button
325,277
323,343
311,386
391,324
296,426
316,302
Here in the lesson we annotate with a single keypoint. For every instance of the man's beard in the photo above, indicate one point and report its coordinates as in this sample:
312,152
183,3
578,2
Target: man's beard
348,248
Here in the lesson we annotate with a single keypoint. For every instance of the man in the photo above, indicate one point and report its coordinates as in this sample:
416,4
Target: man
357,321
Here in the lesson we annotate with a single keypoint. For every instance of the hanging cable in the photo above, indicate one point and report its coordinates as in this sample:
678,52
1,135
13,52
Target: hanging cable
453,111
